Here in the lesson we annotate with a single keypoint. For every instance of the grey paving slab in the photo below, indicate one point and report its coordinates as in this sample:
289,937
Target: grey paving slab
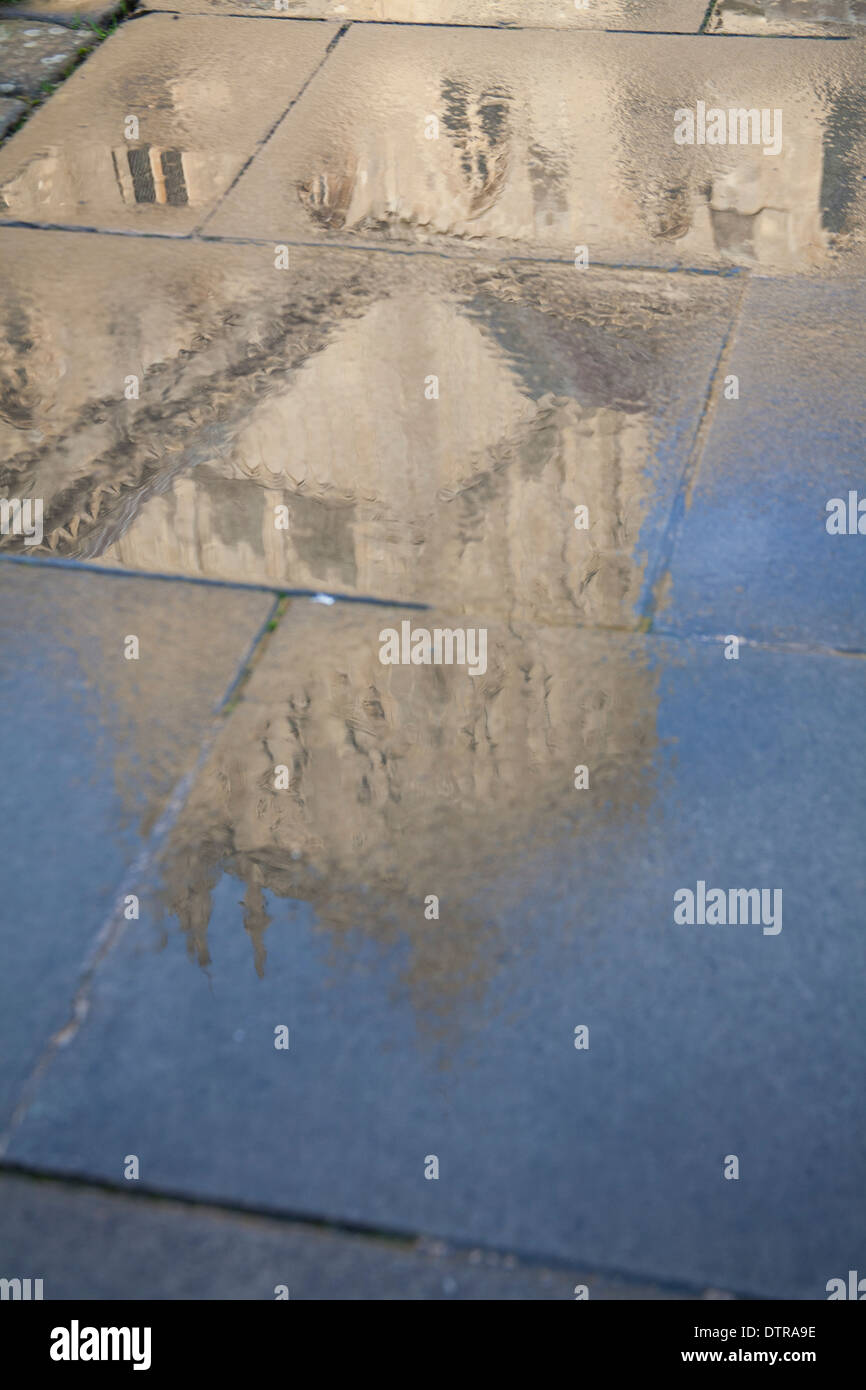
810,18
413,1037
10,111
93,746
186,81
539,143
677,16
33,56
754,555
90,1244
424,428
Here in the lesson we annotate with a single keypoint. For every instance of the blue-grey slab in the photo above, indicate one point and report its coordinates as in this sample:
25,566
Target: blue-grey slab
413,1037
754,555
92,746
84,1243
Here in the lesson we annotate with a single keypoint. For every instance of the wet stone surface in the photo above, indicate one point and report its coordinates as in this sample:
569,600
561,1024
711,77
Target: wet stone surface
92,756
814,18
33,56
471,349
663,15
298,907
73,162
524,143
762,550
91,1244
477,408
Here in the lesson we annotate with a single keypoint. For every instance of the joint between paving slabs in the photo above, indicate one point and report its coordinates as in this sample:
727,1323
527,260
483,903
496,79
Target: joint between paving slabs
234,694
344,29
138,873
421,1244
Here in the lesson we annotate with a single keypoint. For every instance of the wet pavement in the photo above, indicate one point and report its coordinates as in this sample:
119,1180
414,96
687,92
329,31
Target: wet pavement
809,18
441,332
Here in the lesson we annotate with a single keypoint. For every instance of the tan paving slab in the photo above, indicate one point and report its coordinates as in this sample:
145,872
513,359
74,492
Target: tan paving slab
674,16
396,427
541,143
33,56
812,18
188,83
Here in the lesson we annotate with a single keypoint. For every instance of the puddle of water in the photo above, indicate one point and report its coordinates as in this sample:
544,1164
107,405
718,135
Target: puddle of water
372,426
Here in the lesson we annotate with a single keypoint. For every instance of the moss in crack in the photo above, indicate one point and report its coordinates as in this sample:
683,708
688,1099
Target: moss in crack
47,89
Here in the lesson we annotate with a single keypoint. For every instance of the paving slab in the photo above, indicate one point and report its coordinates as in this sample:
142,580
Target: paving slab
540,143
414,1038
80,161
78,14
810,18
754,555
33,56
10,111
675,16
475,408
91,1244
93,747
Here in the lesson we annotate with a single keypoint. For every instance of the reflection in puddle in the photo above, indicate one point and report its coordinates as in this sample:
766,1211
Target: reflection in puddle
406,782
524,140
152,175
140,174
787,16
310,393
260,391
155,126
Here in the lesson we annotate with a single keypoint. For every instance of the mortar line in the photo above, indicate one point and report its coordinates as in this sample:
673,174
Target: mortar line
635,629
277,590
481,255
411,1241
134,878
570,29
344,29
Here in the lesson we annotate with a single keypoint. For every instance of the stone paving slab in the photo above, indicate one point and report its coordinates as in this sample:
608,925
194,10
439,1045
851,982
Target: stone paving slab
33,56
413,1038
557,388
93,746
539,143
754,556
676,16
75,13
90,1244
182,79
10,111
810,18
